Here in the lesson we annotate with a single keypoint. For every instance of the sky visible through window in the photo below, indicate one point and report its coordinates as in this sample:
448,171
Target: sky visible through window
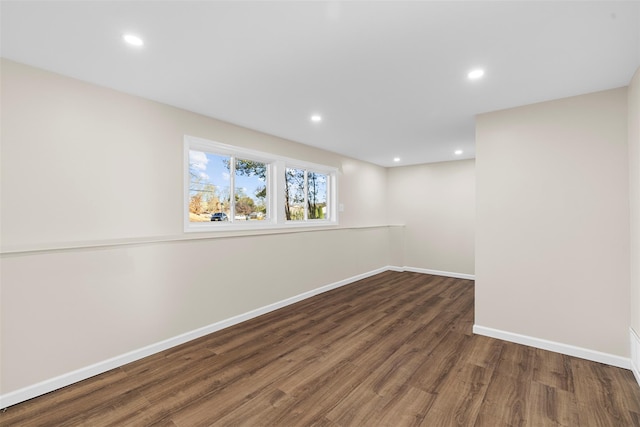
213,169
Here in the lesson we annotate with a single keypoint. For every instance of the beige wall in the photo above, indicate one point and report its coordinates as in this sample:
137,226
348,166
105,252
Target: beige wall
552,234
83,166
436,203
65,310
634,196
96,164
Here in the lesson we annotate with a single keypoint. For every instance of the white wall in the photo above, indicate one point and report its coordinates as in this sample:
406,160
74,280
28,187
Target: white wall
436,204
552,234
634,197
95,263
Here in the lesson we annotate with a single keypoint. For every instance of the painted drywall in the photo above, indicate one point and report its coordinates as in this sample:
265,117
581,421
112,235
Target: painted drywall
436,204
552,222
91,195
65,310
99,164
634,196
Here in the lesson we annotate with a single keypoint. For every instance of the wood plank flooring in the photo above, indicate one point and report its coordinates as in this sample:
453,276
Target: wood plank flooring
395,349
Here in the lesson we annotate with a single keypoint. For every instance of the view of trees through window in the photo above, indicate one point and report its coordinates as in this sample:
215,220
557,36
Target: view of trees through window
305,195
254,175
234,189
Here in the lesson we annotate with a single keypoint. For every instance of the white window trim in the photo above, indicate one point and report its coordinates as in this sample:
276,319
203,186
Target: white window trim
275,189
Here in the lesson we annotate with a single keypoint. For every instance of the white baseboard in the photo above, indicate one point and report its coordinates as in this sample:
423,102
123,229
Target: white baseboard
438,273
570,350
69,378
635,354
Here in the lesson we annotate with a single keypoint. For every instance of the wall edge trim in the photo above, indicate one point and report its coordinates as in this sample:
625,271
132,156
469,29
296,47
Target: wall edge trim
78,375
439,273
556,347
635,354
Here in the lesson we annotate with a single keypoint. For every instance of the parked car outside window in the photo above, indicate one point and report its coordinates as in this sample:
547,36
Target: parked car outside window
219,216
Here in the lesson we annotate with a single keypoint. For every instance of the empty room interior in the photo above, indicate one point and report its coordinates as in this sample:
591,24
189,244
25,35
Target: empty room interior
341,213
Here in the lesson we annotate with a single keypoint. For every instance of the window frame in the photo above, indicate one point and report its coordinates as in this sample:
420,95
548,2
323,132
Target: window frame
275,189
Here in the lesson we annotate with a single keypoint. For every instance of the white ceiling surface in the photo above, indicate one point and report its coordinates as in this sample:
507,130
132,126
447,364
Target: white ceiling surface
388,78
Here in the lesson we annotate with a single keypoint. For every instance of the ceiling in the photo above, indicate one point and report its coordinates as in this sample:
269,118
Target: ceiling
389,78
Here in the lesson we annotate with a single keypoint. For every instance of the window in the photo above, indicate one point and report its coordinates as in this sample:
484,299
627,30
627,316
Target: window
232,188
209,186
251,189
305,195
215,180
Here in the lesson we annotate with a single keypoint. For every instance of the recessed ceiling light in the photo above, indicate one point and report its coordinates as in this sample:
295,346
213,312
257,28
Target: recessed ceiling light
133,40
458,152
316,118
475,74
396,159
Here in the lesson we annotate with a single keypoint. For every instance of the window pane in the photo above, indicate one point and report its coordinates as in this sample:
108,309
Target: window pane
294,194
251,190
316,195
208,186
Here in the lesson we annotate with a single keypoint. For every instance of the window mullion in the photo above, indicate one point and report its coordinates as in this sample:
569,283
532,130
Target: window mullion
306,195
232,188
329,205
278,182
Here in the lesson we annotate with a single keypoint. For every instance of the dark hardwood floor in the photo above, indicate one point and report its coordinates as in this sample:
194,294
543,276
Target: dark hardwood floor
395,349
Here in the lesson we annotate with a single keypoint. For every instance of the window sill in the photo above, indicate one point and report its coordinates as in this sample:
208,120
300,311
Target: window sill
255,227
